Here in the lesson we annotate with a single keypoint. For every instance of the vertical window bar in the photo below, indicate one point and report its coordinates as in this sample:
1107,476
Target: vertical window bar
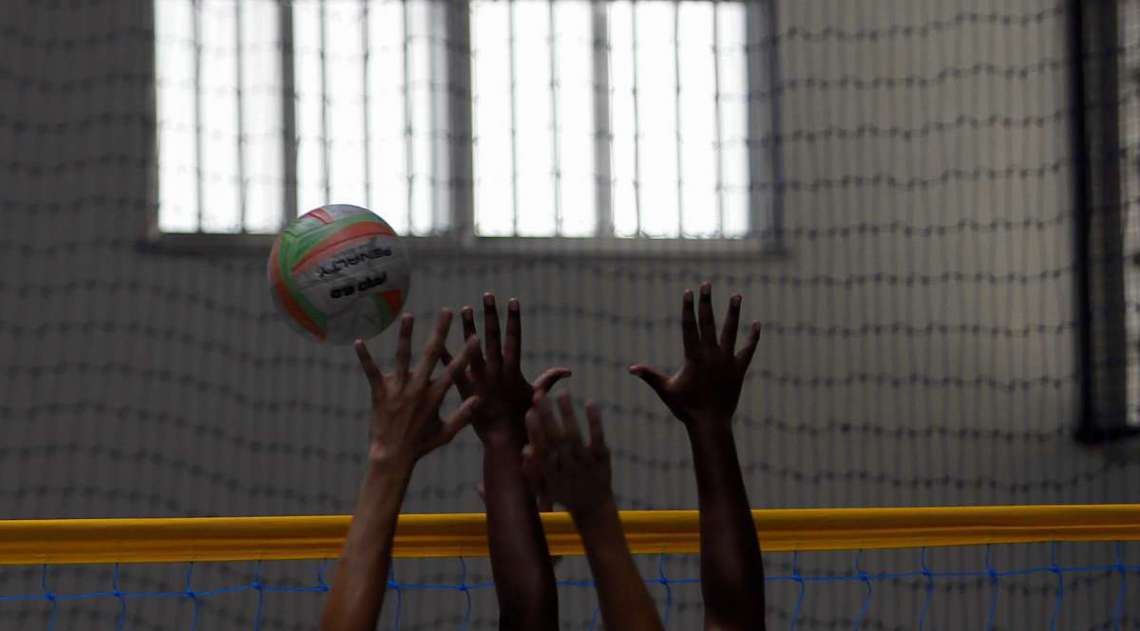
198,107
760,21
603,192
636,124
409,150
677,114
554,120
238,50
718,122
460,115
367,100
326,167
433,130
514,122
775,221
288,114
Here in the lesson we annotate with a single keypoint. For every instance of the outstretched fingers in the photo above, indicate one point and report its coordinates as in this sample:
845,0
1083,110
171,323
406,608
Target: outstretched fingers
491,332
454,372
404,347
512,344
731,324
433,348
375,377
689,335
597,444
547,379
570,428
651,376
467,315
744,357
550,430
455,423
462,382
705,315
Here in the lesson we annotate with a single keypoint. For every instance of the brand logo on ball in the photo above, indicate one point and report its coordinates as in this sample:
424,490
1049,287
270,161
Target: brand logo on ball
363,285
367,253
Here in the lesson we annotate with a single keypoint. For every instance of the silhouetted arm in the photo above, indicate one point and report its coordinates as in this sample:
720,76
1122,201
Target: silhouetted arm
703,395
520,559
732,570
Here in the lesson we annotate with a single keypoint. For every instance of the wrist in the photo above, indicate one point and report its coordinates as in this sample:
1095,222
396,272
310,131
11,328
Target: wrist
504,438
709,428
595,513
388,462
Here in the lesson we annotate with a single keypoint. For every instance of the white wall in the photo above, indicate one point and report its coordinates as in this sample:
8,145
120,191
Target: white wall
918,348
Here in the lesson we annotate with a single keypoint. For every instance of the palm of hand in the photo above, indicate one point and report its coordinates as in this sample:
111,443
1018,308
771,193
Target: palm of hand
577,474
415,437
505,402
496,377
704,391
707,387
581,483
405,423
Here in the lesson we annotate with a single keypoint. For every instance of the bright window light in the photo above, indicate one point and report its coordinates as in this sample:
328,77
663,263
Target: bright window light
372,107
679,98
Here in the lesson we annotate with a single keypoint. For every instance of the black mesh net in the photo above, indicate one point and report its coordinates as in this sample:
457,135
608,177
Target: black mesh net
889,183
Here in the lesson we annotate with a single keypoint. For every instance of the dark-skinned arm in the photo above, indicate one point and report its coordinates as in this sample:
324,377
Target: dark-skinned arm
703,395
405,426
520,559
732,570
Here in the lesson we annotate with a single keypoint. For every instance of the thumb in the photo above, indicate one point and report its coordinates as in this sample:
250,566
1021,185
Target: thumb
546,380
462,383
651,376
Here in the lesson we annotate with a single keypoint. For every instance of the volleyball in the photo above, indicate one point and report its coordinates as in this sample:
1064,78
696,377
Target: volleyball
338,273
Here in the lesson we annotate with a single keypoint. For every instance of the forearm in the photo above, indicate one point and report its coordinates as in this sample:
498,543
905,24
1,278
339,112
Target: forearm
622,595
520,559
731,565
362,574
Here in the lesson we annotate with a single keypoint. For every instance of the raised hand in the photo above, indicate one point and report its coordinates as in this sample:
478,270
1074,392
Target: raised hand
703,395
496,376
520,559
404,426
707,387
405,423
577,474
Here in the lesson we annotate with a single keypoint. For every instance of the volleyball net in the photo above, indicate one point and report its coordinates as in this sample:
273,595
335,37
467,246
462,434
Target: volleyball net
902,196
1043,567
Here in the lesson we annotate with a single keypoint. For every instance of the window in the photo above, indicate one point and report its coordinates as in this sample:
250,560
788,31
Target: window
564,118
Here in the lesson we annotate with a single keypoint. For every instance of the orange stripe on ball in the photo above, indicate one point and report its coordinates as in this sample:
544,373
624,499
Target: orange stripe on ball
292,307
351,233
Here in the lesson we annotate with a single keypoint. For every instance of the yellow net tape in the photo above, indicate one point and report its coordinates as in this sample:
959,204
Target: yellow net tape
81,541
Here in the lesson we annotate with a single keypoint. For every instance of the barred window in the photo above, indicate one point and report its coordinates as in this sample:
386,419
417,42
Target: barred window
564,118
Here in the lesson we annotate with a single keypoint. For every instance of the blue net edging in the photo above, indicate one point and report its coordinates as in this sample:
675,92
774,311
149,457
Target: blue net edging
1118,570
